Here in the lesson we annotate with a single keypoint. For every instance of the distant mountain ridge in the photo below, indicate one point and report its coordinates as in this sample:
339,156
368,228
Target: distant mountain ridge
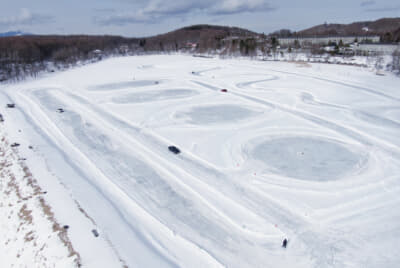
13,33
19,49
387,28
208,35
202,34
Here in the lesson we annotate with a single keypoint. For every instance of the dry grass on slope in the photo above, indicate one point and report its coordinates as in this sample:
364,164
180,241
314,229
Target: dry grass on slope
30,235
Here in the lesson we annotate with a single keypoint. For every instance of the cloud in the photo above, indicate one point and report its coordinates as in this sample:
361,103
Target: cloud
104,10
177,7
384,9
367,3
25,17
155,11
227,7
370,6
121,19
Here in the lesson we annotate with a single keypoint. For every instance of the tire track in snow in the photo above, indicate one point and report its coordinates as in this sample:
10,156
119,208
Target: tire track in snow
212,235
365,139
250,83
303,231
209,174
260,203
48,135
131,174
364,116
198,73
158,246
320,121
361,88
159,144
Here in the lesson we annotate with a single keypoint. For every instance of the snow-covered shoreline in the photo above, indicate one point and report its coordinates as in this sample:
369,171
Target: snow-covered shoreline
40,213
30,234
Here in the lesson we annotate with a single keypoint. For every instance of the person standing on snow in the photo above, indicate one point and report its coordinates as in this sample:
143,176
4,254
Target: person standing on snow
284,243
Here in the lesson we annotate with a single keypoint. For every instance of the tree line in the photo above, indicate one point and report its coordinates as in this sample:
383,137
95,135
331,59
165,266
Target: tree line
28,55
22,56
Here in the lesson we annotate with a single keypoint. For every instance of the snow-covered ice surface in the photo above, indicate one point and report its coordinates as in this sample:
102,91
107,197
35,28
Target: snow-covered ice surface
305,152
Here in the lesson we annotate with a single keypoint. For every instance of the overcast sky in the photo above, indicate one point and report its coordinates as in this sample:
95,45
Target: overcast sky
143,18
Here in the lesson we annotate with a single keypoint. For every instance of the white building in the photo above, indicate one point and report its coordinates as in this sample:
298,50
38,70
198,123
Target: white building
302,41
385,49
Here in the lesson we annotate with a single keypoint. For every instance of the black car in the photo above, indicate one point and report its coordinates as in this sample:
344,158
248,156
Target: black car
174,149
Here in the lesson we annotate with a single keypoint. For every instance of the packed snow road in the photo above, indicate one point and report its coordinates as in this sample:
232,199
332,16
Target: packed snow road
267,151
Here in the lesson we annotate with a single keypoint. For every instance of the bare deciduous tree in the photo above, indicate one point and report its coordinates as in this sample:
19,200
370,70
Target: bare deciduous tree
396,61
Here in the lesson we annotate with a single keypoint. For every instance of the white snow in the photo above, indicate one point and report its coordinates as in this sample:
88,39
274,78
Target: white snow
308,152
29,233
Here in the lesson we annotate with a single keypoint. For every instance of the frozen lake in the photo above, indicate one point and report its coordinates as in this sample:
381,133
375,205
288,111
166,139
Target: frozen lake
311,154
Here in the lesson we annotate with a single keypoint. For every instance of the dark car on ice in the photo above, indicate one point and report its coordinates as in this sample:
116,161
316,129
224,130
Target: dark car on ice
174,149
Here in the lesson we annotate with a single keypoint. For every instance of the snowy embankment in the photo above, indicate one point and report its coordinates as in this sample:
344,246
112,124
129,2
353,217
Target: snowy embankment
30,235
308,152
39,215
375,63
